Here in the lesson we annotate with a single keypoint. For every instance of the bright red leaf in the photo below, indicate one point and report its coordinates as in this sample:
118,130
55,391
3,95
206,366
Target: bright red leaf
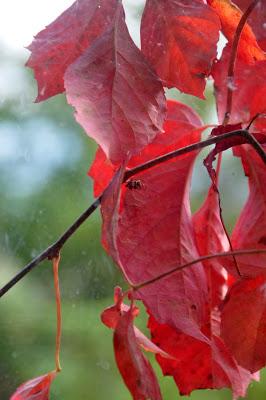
244,322
179,39
256,20
35,389
198,365
135,369
101,171
230,15
118,99
65,39
248,79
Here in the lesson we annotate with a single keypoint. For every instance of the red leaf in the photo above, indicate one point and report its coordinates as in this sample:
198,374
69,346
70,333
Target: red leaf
244,322
256,20
230,15
249,79
35,389
198,365
135,369
153,231
211,239
227,144
101,171
250,229
111,316
179,39
64,40
118,99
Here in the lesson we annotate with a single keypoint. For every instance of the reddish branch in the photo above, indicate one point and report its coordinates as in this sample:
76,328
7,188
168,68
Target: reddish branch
53,250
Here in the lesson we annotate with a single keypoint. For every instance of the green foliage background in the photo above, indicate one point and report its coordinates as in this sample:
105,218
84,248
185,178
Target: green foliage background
34,215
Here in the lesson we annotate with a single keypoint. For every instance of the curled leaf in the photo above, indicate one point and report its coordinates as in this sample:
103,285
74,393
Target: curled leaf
35,389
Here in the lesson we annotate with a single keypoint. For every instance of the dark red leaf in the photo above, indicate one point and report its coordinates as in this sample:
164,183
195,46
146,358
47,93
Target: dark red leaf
118,99
65,39
249,79
35,389
179,39
244,322
153,231
230,15
250,229
135,369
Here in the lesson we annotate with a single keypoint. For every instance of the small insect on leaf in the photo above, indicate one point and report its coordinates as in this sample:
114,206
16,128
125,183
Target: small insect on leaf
134,184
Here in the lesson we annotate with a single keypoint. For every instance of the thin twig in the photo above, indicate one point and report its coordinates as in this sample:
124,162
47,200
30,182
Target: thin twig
197,146
53,250
200,259
58,313
232,61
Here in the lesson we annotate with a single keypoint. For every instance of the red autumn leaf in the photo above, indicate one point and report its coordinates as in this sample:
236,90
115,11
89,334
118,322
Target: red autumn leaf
211,238
179,39
198,365
35,389
248,79
118,99
65,39
101,171
135,369
256,19
250,229
244,322
111,316
152,228
230,15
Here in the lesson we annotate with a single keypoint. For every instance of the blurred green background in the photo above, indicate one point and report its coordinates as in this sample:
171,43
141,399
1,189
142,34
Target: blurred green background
44,158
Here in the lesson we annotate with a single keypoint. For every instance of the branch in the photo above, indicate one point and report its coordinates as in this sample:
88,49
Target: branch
231,67
197,146
200,259
53,250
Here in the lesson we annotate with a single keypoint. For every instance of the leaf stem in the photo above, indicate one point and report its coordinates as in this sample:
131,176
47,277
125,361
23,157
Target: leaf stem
53,250
55,262
202,258
232,61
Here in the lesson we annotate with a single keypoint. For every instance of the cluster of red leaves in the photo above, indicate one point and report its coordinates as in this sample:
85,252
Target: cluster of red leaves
207,321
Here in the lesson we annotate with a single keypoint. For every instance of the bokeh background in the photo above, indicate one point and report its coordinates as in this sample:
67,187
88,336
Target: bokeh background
44,158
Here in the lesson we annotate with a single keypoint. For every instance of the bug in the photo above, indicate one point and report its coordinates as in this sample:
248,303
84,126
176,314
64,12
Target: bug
134,184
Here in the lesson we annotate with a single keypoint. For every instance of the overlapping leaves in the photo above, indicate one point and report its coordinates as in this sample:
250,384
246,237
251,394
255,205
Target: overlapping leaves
196,313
